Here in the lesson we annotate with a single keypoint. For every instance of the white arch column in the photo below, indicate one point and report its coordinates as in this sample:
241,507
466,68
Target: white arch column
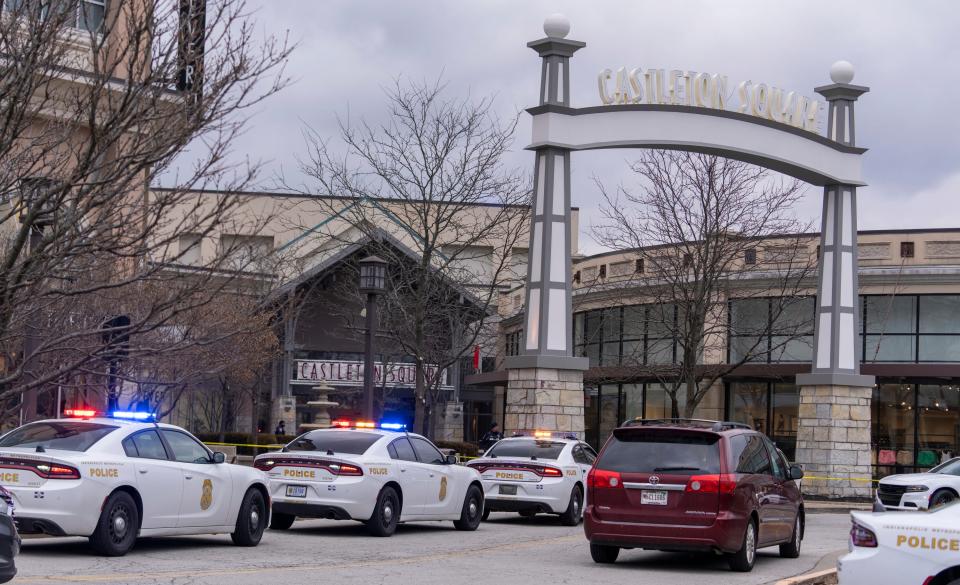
834,390
545,387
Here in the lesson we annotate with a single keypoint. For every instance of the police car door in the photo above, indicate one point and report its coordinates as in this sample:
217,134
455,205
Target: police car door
205,500
584,457
438,490
411,475
159,480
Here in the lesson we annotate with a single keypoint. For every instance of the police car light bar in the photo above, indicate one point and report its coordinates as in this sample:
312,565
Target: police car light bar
341,423
133,415
81,413
392,426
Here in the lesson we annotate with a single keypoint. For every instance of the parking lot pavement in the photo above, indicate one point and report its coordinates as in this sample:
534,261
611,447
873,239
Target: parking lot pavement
506,550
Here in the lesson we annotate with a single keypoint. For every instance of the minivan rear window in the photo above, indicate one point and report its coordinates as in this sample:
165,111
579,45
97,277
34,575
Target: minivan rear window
346,442
538,449
680,454
67,436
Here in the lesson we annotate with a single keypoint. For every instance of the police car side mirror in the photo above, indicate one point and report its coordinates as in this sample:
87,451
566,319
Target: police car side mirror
796,472
219,457
452,459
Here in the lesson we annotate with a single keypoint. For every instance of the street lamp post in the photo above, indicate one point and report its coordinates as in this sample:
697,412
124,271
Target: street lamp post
373,273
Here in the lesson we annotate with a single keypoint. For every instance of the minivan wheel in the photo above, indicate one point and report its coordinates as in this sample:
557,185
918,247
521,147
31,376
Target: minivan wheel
604,554
791,550
573,514
743,559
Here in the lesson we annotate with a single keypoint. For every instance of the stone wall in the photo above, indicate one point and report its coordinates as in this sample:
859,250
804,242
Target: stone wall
833,440
544,399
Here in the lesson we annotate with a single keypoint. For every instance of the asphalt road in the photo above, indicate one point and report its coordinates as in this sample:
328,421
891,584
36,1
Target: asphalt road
505,550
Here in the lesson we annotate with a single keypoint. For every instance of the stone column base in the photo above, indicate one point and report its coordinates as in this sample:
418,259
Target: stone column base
450,425
833,441
544,399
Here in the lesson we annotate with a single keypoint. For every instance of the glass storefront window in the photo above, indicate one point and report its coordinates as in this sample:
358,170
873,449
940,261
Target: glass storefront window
938,410
591,411
632,402
783,426
748,404
609,411
939,314
893,418
890,314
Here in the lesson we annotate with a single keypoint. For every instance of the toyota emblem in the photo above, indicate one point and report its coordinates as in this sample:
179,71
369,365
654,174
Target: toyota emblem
654,479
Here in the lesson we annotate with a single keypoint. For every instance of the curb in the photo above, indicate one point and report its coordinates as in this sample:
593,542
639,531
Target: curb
828,577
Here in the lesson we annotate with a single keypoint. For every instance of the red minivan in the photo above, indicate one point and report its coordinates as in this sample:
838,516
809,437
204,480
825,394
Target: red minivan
693,485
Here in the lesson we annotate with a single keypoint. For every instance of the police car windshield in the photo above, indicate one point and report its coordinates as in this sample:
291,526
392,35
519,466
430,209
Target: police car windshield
64,435
951,467
347,442
527,448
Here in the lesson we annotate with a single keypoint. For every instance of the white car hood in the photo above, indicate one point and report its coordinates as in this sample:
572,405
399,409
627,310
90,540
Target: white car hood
918,478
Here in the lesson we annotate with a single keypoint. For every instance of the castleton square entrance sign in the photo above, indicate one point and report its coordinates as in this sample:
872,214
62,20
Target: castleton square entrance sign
699,112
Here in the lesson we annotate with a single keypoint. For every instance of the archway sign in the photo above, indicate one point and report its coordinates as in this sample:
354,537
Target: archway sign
702,112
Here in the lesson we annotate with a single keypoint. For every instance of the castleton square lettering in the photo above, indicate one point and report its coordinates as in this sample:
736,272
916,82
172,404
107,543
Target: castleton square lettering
343,373
705,90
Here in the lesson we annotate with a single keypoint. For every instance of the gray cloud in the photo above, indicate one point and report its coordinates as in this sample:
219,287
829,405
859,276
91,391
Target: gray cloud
904,51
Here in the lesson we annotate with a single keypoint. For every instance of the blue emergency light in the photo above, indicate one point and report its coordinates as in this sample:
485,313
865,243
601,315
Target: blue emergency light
133,415
393,426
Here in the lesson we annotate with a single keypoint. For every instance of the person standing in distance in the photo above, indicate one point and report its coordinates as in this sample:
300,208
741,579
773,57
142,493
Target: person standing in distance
281,429
491,436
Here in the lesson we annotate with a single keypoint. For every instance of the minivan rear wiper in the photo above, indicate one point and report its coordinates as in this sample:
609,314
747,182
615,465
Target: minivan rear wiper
676,469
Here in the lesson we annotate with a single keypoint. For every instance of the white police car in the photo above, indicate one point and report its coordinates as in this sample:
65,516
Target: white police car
919,491
910,548
546,472
378,476
114,478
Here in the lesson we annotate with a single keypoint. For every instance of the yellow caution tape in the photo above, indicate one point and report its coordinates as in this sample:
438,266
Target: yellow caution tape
840,478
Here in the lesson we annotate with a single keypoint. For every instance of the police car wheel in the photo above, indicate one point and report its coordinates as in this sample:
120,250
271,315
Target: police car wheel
280,521
472,510
791,550
118,526
252,520
941,497
486,514
604,554
383,521
572,515
743,559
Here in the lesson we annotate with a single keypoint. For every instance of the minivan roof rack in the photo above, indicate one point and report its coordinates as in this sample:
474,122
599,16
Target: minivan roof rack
713,425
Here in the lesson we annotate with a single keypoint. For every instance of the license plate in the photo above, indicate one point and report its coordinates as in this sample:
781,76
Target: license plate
296,491
653,497
508,490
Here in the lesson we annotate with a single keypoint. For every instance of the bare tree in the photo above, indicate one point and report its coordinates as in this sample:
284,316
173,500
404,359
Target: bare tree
432,177
711,236
94,108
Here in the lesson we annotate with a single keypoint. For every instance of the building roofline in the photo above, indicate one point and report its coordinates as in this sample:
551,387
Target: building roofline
775,236
292,195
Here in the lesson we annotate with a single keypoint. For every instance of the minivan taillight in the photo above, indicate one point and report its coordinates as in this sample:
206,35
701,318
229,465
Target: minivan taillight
861,536
602,478
711,484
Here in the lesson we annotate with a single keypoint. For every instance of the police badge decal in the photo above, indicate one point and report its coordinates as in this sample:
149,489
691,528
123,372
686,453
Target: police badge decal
206,496
443,488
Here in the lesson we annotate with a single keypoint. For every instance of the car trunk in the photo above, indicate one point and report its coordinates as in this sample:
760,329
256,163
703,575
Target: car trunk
658,476
22,467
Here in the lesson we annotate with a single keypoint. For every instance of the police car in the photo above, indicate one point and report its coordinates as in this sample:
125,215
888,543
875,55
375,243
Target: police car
543,473
919,491
112,478
380,476
919,548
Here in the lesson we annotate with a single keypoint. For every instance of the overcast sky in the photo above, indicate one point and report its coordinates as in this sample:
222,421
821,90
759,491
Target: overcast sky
906,52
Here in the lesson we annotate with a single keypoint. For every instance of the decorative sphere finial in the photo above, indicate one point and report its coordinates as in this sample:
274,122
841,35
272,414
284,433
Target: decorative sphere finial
556,26
841,72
